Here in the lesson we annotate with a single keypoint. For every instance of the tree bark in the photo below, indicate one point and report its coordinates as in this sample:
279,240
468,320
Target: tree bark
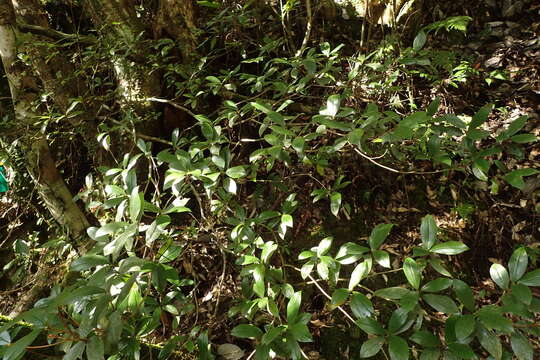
40,164
176,19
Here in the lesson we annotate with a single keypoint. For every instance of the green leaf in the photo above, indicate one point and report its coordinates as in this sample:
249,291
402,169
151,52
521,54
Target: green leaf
379,234
95,349
462,351
392,293
298,145
464,326
464,294
499,275
419,41
247,331
518,263
324,246
355,137
425,338
412,272
437,265
521,347
370,326
307,254
382,258
272,333
449,248
293,307
481,116
371,347
522,293
441,303
135,204
490,342
75,352
409,301
531,278
430,354
323,271
236,172
515,178
332,106
306,269
398,348
434,107
397,320
360,272
491,316
428,232
287,220
15,350
5,338
87,262
339,296
156,228
361,306
300,332
259,286
524,138
514,128
335,203
437,285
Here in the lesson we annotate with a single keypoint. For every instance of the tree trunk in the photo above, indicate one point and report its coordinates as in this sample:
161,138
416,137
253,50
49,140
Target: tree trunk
124,33
176,19
40,163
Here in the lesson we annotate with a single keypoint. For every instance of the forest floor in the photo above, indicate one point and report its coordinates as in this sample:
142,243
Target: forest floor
492,225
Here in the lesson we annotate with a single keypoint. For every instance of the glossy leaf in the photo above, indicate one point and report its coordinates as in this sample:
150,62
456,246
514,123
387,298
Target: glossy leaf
499,275
419,41
464,326
398,348
87,262
412,272
425,338
449,248
371,347
437,285
95,349
531,278
441,303
464,294
518,264
339,296
428,231
370,326
361,306
359,273
335,203
490,342
462,351
247,331
15,350
521,346
379,234
324,246
293,307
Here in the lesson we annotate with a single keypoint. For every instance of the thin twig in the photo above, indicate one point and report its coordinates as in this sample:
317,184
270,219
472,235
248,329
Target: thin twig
397,171
154,139
308,28
323,292
173,104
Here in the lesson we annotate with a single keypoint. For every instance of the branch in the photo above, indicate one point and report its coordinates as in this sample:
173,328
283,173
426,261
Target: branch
308,28
54,34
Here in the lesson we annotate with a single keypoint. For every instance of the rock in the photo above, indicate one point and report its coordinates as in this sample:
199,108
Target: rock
230,352
493,62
